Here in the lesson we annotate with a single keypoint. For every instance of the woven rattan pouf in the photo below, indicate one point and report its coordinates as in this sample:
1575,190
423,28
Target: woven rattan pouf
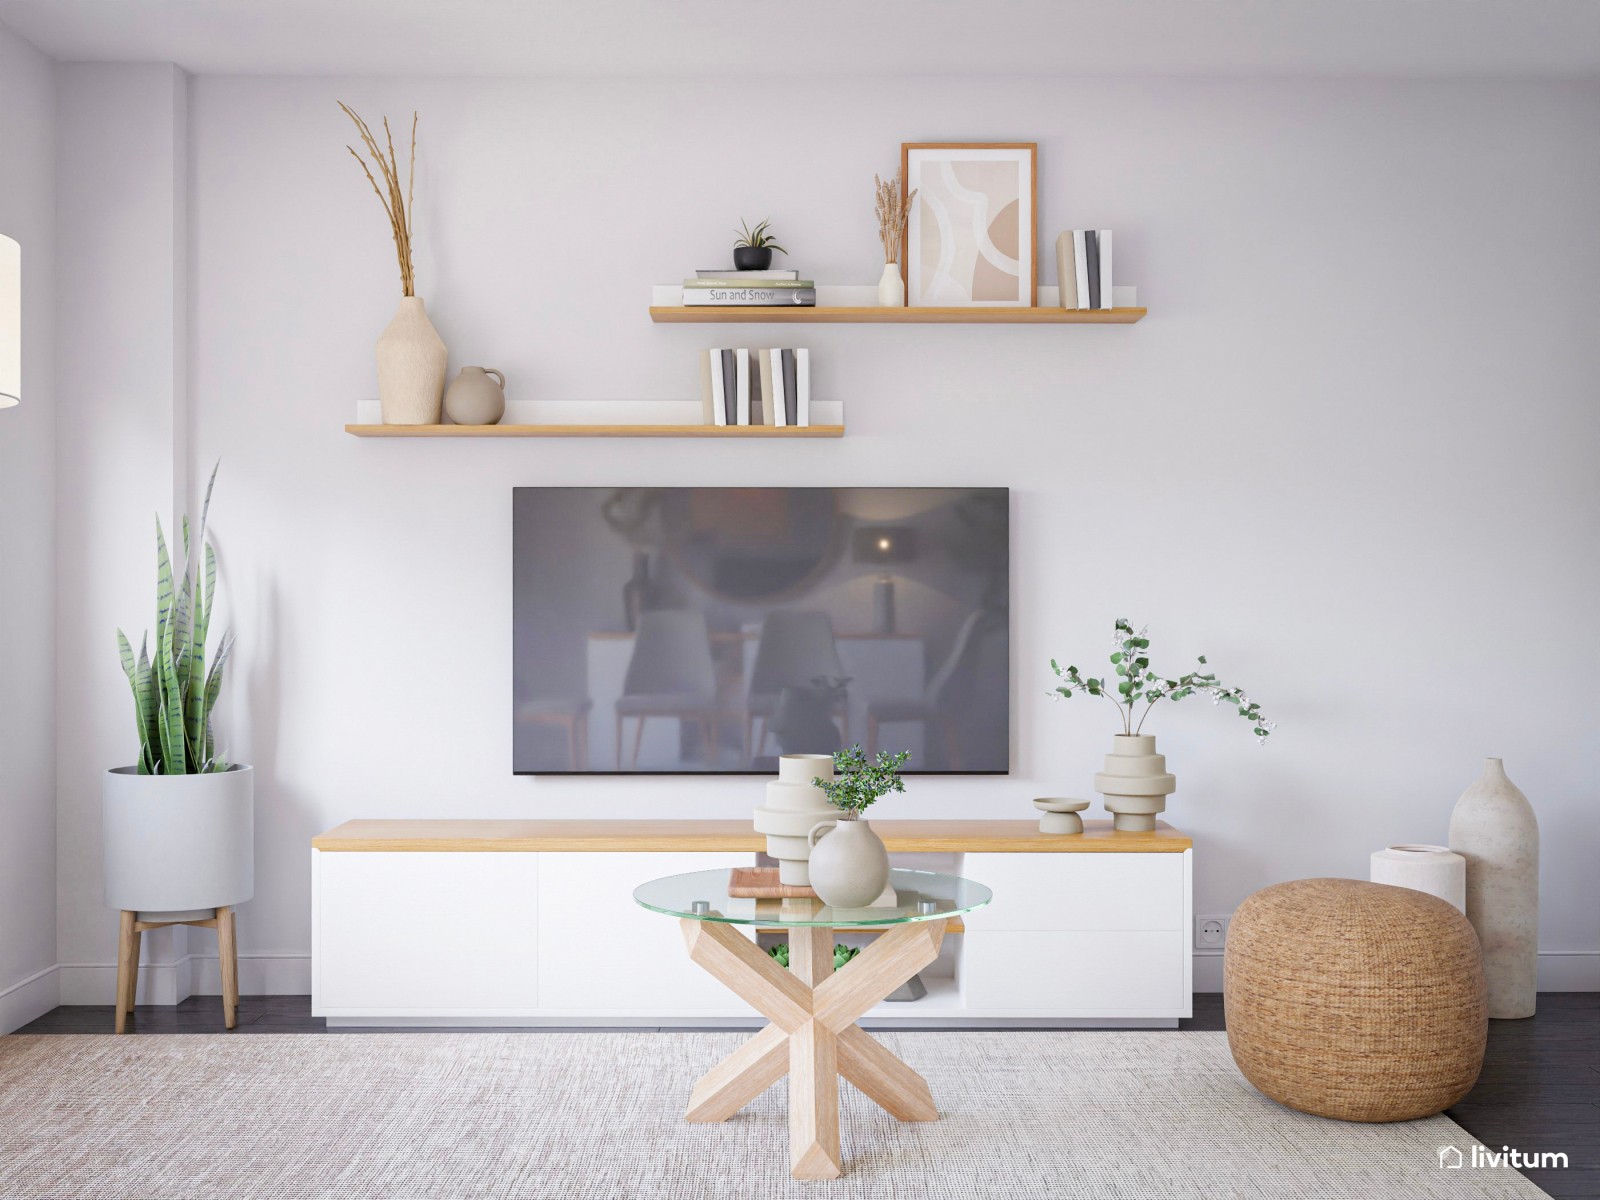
1355,1000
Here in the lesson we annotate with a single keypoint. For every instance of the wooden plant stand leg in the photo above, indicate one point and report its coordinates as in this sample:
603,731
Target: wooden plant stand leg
228,960
813,1036
127,967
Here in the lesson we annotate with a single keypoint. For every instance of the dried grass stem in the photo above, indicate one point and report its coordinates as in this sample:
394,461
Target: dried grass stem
397,205
892,206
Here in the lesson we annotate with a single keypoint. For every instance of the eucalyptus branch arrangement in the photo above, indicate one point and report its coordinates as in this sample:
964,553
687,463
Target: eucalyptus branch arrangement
892,209
173,696
1137,684
759,238
860,781
396,204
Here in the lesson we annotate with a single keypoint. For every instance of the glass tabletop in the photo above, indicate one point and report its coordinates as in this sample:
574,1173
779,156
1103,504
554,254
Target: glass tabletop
919,896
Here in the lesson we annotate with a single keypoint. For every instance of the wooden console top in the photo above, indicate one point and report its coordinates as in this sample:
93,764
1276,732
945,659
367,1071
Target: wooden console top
1015,837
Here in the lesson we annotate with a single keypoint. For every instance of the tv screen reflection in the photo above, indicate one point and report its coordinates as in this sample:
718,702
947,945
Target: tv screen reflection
708,630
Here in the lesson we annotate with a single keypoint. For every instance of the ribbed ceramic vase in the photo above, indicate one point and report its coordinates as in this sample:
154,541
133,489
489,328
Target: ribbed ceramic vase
849,863
794,807
1494,829
1135,783
411,363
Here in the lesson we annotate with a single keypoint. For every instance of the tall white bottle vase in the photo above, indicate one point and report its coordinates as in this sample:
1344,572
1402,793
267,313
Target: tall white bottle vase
794,807
891,288
1135,783
1493,827
411,363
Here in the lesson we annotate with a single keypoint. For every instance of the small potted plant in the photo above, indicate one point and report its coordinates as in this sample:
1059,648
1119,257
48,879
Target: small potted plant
1135,783
850,867
178,823
753,250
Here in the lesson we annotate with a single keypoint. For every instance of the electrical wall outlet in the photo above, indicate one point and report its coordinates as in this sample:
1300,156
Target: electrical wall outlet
1210,933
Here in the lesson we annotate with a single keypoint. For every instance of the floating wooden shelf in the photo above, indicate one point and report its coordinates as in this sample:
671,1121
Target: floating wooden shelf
659,431
841,314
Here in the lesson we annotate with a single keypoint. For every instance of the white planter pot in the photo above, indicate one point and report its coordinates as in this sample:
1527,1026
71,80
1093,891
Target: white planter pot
794,806
411,363
178,846
1494,829
1436,870
1135,783
849,864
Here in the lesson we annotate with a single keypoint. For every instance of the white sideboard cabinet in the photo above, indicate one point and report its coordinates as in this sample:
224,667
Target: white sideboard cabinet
462,922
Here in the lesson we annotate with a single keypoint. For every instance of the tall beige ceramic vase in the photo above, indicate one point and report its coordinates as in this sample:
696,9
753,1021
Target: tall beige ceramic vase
1135,783
411,363
1494,829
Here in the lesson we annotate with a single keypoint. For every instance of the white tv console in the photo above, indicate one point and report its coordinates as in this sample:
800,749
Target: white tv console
487,922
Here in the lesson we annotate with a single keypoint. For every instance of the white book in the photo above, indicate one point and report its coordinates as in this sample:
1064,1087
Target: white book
802,380
1106,300
1080,255
1067,271
741,363
719,410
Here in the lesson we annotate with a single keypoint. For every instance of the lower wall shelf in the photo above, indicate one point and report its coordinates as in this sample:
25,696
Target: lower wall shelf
525,431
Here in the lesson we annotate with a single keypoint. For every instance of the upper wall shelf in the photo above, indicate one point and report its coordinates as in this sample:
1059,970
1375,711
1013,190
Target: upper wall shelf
523,431
851,314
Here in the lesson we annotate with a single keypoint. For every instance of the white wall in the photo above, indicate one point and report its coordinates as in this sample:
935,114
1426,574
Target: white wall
1349,455
122,141
28,983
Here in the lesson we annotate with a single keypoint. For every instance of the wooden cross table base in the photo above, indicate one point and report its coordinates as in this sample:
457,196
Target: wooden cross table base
813,1037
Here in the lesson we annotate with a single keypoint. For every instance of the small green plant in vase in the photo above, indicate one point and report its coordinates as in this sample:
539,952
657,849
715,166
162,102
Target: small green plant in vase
849,866
1135,783
752,251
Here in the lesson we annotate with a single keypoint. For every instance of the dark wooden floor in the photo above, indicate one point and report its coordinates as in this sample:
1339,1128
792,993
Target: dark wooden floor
1539,1091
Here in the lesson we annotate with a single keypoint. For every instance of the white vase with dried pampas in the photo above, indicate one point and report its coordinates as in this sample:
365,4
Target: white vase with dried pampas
892,208
411,354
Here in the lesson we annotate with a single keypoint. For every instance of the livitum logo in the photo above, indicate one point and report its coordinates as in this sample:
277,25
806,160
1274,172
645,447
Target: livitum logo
1452,1159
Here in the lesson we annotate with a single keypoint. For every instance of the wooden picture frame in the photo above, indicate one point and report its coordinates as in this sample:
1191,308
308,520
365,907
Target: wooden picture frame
957,253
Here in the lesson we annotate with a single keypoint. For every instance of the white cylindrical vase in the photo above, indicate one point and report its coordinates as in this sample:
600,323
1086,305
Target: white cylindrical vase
1493,827
1135,783
794,805
1437,870
178,845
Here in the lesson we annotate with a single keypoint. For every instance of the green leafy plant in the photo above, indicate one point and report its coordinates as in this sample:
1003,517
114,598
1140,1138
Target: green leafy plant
758,238
841,954
1137,683
859,781
173,695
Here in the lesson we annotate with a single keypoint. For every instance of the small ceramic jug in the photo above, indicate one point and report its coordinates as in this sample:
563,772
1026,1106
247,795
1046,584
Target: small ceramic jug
474,398
850,867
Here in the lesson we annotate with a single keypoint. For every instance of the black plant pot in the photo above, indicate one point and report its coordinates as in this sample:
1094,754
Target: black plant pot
752,258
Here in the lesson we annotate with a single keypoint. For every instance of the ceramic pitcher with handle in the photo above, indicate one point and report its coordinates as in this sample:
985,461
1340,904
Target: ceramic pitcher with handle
475,398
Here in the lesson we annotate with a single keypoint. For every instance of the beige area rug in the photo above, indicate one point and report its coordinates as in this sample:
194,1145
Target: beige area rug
1101,1115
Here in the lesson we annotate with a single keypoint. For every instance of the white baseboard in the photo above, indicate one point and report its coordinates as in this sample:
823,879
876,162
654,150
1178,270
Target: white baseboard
29,998
1559,971
261,974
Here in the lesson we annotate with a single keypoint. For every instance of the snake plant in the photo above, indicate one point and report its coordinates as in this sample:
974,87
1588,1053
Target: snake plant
174,693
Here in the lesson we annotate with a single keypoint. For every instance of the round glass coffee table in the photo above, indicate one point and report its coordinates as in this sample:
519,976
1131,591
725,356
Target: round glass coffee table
813,1037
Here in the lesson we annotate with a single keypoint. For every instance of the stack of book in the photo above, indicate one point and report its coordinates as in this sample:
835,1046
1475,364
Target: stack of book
755,387
1083,262
776,289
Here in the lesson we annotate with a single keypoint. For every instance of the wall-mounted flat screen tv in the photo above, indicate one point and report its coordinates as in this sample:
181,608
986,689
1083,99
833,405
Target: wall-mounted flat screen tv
688,630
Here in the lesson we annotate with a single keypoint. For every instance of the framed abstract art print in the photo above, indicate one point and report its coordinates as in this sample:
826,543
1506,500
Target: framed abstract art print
970,233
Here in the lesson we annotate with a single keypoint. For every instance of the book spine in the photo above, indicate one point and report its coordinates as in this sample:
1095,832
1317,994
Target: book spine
786,285
791,401
719,414
711,296
780,406
1080,263
707,411
742,367
730,389
741,278
1091,241
1066,271
802,374
1106,300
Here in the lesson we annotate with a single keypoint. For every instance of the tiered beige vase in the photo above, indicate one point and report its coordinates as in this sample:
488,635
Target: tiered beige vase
1494,829
1135,783
794,806
411,363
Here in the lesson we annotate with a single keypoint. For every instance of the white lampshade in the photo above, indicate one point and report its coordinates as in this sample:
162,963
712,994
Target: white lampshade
10,322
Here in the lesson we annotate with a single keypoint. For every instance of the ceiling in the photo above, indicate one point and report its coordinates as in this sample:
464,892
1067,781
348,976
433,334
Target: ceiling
1429,38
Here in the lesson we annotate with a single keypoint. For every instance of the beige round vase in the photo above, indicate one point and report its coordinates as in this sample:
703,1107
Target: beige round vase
1135,783
411,363
849,865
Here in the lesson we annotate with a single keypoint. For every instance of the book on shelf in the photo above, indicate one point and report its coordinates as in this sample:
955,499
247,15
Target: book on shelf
726,381
711,409
1083,269
775,296
772,405
741,389
734,275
